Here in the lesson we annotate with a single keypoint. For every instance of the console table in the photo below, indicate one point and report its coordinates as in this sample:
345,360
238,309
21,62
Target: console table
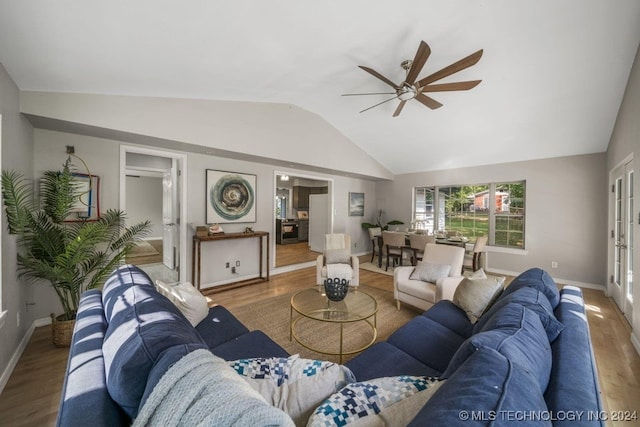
196,261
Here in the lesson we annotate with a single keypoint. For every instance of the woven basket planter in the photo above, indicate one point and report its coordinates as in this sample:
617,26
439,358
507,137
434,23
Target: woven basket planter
62,330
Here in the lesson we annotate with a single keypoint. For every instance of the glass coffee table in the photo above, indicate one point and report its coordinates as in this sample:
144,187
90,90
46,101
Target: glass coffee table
312,303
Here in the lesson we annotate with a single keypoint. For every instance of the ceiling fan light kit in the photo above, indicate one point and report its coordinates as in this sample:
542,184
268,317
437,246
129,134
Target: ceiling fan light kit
410,89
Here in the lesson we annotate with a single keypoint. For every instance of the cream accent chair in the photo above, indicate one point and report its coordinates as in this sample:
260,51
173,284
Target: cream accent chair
424,294
337,241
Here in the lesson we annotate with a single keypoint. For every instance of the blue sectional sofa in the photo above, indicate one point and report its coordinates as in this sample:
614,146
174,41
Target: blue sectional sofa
528,358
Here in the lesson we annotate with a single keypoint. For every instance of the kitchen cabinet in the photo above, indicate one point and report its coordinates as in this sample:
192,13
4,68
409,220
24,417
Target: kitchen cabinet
303,230
301,195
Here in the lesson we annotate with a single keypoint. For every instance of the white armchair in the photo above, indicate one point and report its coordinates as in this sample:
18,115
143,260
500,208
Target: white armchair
337,260
423,294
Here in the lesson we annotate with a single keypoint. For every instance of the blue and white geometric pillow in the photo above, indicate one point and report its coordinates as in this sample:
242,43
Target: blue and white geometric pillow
371,398
295,385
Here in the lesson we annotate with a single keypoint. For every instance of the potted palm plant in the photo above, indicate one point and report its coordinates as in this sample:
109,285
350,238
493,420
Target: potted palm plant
71,256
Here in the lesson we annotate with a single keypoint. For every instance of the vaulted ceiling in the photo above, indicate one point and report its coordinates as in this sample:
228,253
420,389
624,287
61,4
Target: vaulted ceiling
553,72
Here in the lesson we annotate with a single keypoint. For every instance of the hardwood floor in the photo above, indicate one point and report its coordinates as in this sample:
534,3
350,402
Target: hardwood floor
32,394
294,253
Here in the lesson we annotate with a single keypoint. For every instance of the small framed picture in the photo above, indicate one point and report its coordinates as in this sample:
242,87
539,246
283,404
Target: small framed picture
356,204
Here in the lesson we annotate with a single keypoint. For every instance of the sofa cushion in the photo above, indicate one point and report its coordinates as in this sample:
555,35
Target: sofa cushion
220,326
539,279
380,401
384,359
533,299
251,344
573,385
488,389
428,272
450,316
187,298
517,333
474,296
427,341
142,325
295,385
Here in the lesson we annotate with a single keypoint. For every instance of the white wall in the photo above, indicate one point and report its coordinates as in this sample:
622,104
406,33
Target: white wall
565,212
17,154
625,141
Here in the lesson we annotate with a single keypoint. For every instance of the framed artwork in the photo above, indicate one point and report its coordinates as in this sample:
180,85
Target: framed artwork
230,197
356,204
87,207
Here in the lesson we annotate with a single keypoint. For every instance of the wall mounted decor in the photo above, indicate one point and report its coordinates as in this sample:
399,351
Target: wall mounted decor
356,204
231,197
87,207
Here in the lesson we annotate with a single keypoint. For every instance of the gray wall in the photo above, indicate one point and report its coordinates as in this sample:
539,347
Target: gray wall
147,193
565,206
17,154
102,155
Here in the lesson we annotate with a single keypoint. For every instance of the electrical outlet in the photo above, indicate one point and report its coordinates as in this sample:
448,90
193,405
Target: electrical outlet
226,265
554,264
233,270
237,263
18,319
355,245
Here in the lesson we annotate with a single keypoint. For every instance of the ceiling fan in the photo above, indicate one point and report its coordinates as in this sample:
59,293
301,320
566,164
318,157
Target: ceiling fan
411,89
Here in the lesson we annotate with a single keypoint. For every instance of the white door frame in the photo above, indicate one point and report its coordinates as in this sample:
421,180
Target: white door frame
620,250
181,158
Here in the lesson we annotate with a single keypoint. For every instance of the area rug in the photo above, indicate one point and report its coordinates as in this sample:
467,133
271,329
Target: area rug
272,316
369,266
142,248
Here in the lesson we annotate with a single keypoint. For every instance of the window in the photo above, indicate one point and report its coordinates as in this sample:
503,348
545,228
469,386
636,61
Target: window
496,210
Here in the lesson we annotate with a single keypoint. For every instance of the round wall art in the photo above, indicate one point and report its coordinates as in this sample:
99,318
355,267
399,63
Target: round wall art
230,197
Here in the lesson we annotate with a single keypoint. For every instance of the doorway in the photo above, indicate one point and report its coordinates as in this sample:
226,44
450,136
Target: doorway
292,212
151,188
621,237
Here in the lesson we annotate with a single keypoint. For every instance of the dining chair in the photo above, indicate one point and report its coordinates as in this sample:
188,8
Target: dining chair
374,234
417,243
395,246
472,258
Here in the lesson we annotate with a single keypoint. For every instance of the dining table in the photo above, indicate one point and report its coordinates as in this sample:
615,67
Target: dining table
452,241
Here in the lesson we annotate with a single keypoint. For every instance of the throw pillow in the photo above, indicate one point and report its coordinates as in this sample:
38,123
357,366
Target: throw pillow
428,272
337,256
539,279
478,274
295,385
380,401
187,298
474,296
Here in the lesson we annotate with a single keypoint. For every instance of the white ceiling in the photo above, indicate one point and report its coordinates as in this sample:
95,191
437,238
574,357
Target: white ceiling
554,72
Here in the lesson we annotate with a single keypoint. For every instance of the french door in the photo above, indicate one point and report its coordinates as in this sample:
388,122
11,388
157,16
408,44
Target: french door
621,259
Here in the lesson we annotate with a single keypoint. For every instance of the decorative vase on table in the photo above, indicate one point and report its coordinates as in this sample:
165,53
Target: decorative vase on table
336,289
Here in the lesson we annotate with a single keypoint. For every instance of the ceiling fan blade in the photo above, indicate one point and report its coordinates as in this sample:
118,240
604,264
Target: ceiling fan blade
372,93
451,86
379,76
379,103
418,62
399,109
460,65
429,102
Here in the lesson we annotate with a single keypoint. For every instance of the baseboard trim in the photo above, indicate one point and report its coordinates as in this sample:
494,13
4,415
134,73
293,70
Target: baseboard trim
635,340
16,356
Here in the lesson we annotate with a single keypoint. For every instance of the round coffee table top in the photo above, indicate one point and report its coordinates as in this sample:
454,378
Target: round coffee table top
314,304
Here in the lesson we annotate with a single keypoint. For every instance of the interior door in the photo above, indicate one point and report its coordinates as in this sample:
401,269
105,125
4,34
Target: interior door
169,216
621,286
